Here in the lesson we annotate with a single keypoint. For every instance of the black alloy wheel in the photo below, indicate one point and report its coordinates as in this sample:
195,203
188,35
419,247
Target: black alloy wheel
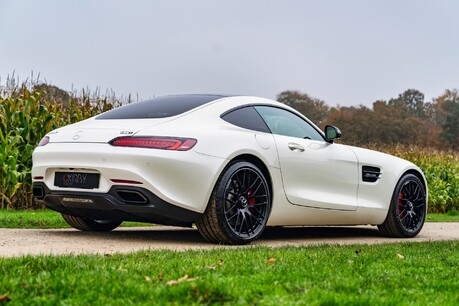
408,208
239,207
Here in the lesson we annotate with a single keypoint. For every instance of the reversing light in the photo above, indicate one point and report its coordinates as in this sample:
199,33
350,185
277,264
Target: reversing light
44,141
163,143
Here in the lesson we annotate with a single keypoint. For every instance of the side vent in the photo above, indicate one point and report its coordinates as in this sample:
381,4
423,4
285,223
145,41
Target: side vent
370,174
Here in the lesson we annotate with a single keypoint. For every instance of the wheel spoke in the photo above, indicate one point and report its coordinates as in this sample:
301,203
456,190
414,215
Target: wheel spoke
409,189
238,214
231,200
403,213
255,210
416,220
251,176
257,221
232,216
413,221
232,193
408,221
245,180
249,223
405,191
260,204
416,192
231,208
248,228
418,209
240,182
242,223
402,203
253,183
421,202
258,187
259,196
234,184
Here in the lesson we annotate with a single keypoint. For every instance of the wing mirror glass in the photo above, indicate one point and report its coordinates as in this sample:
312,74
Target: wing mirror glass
332,133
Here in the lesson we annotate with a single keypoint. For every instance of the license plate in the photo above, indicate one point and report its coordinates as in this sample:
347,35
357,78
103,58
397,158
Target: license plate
77,180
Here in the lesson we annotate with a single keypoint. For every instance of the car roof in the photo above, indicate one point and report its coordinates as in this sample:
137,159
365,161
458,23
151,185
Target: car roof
161,107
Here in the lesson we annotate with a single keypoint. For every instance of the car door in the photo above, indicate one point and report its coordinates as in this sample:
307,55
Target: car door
315,173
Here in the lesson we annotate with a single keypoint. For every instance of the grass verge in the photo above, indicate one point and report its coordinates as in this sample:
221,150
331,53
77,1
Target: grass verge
393,274
43,218
452,216
46,218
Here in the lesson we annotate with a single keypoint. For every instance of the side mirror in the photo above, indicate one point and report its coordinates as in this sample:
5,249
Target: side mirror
332,133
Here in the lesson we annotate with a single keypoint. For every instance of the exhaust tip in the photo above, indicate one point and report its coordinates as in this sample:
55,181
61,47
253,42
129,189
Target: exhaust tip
131,196
38,192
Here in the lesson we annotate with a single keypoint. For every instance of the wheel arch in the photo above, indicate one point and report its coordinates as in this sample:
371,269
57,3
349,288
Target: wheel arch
423,180
418,175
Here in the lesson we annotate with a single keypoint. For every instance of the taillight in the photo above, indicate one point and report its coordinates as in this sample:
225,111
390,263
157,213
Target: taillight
163,143
44,141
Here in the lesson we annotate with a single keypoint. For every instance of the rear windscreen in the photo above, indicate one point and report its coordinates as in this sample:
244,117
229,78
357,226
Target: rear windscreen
161,107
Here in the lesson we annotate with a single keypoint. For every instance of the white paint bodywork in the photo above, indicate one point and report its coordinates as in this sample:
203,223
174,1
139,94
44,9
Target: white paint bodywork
320,186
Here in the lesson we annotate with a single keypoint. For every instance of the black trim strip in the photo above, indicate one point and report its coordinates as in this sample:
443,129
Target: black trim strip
110,206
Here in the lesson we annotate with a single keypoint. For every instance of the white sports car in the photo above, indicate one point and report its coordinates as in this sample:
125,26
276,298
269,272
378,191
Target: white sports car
231,165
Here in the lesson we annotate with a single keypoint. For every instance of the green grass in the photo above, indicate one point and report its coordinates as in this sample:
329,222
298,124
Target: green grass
43,218
46,218
393,274
452,216
402,274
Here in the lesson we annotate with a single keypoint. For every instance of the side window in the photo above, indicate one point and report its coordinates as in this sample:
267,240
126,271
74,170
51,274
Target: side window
248,118
283,122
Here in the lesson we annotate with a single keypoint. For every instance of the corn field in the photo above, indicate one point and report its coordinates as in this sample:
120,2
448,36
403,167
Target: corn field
27,113
441,169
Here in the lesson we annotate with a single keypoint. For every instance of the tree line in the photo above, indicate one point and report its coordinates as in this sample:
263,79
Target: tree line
407,119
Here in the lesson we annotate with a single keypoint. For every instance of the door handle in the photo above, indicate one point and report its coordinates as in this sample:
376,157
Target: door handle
295,147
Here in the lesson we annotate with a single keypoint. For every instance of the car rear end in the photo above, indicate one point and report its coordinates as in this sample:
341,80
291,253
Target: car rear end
102,169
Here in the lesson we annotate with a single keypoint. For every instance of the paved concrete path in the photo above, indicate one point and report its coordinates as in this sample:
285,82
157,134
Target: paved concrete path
17,242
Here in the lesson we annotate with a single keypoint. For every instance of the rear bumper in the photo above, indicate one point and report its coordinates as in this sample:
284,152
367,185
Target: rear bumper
124,203
182,178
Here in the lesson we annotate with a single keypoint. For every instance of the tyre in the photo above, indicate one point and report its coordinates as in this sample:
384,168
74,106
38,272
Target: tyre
91,225
408,209
239,206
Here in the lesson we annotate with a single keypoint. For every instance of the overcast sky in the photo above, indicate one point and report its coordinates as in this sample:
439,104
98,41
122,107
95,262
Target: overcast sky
344,52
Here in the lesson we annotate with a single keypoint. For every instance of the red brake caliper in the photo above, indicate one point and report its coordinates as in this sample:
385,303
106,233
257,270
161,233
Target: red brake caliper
251,200
400,207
